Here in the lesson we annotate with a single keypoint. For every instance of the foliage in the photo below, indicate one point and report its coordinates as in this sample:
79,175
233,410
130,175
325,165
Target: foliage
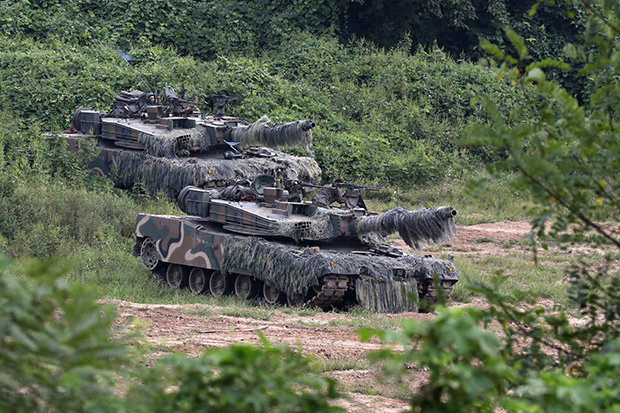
568,155
60,352
56,353
206,29
236,378
596,390
465,362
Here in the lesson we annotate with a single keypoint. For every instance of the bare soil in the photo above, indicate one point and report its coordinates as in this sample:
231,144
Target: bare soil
193,327
330,337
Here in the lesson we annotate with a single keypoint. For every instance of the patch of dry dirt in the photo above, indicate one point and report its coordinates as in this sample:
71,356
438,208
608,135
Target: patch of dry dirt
498,238
193,327
507,238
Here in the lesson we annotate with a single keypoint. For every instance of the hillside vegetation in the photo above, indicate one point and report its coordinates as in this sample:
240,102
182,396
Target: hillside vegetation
386,116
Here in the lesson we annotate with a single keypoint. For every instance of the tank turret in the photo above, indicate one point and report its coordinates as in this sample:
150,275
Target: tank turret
271,214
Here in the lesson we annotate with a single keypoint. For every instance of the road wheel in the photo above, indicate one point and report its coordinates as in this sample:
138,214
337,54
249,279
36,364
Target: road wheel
149,255
197,282
159,273
176,276
219,284
295,300
246,287
271,294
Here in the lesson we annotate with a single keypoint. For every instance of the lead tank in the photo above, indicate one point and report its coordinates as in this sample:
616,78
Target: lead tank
295,252
165,144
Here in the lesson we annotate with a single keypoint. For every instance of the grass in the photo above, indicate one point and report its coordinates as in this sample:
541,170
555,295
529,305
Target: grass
357,318
520,275
390,388
322,366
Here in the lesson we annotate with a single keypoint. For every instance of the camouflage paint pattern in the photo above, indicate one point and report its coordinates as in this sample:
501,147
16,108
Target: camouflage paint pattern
180,241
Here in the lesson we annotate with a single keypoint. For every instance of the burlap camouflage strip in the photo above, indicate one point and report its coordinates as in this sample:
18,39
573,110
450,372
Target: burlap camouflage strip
262,132
170,175
175,143
294,270
274,134
381,297
432,225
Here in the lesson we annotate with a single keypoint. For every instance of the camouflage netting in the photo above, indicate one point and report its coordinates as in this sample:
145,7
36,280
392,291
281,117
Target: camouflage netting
382,297
319,227
174,143
294,270
170,175
291,270
274,134
432,225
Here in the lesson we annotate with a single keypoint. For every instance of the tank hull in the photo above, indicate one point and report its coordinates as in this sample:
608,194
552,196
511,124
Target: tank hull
128,168
312,275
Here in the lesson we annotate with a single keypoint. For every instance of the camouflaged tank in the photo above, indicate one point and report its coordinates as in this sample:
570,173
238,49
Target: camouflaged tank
164,144
298,253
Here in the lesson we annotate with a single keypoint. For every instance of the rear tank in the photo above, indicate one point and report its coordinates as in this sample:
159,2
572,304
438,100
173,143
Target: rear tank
165,144
295,252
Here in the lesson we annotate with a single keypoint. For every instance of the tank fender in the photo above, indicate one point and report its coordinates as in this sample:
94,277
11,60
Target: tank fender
181,241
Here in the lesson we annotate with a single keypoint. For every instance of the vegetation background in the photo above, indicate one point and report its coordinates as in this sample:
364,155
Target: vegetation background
395,87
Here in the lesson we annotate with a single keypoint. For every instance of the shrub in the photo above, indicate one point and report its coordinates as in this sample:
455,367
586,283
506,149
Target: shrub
566,156
237,378
56,349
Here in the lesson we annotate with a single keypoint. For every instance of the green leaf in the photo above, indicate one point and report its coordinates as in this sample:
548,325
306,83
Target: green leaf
536,75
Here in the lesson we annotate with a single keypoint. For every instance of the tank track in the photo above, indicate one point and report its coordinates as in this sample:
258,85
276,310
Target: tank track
427,291
332,291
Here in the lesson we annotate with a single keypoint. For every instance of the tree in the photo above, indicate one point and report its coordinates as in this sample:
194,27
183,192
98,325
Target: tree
567,156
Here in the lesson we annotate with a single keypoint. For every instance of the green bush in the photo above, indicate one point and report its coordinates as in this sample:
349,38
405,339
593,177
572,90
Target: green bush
239,378
56,350
467,369
566,156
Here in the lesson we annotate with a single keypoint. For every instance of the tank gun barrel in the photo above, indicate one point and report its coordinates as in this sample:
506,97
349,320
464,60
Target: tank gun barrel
274,134
430,225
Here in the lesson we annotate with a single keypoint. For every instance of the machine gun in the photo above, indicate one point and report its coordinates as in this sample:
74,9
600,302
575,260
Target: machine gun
220,102
347,186
178,105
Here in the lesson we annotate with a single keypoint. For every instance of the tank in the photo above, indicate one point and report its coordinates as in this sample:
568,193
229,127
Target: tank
164,144
280,251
